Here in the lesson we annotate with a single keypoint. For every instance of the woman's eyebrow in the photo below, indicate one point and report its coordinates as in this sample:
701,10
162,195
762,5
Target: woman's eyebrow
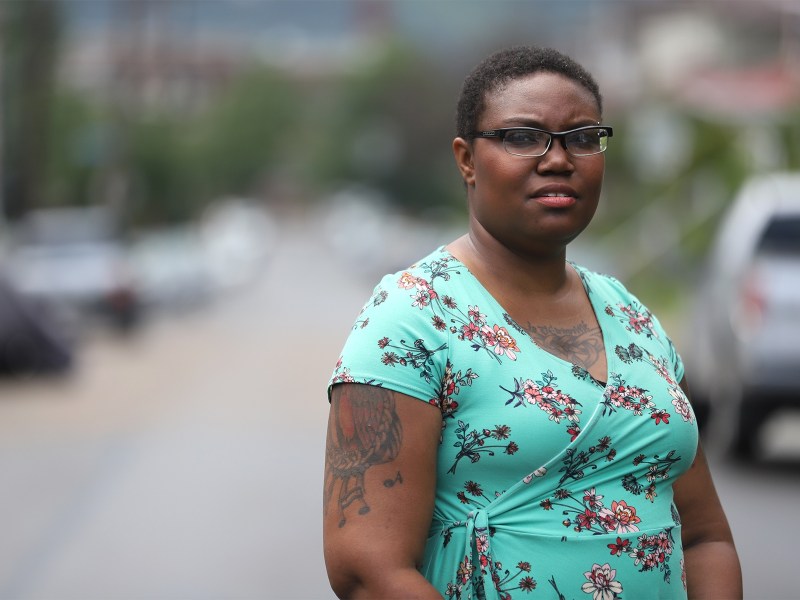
531,122
522,122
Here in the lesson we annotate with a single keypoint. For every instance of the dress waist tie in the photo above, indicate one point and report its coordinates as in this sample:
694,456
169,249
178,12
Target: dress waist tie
477,543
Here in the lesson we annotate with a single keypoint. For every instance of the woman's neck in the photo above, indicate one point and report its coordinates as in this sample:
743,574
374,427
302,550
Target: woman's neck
508,271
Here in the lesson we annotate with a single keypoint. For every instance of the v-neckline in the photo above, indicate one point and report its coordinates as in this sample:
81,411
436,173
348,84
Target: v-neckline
579,274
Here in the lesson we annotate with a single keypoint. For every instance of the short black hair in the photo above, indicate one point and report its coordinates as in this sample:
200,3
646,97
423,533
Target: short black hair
510,64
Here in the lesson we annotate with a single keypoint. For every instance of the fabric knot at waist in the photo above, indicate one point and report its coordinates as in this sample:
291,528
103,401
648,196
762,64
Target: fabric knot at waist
477,553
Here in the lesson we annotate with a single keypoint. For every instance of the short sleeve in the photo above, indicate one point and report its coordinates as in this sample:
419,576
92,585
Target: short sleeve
396,342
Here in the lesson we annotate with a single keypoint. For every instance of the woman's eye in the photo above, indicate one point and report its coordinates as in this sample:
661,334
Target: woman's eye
582,138
525,137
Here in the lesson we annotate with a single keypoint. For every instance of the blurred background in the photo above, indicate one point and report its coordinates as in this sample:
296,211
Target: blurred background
196,197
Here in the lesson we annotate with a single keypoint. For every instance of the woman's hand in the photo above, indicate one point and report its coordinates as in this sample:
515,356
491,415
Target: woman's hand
380,478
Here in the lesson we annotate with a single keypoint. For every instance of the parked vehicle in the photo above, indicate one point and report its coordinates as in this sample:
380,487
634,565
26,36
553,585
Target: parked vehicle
73,258
746,363
31,342
171,270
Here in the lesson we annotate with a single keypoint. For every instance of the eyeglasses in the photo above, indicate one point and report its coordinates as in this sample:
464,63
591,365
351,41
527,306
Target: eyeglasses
530,141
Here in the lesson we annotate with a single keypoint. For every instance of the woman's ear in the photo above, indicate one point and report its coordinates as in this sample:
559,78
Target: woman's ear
462,151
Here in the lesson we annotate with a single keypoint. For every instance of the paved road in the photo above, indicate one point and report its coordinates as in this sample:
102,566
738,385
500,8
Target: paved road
186,462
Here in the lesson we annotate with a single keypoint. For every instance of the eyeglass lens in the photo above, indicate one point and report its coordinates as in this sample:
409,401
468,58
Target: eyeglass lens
527,142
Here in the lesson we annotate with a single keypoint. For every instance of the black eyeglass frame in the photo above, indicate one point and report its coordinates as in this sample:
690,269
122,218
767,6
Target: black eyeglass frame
500,134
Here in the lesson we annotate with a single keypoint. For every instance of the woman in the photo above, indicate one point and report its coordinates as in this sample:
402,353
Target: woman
503,422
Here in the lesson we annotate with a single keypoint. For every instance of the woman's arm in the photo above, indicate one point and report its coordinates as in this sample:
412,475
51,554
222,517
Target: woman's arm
712,564
380,478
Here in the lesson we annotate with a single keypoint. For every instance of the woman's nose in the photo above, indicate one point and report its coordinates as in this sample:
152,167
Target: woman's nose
556,158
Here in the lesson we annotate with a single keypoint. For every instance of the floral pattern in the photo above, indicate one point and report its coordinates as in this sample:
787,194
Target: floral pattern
471,326
473,443
556,404
602,584
577,463
632,398
634,353
450,386
656,469
587,513
595,514
415,355
652,552
636,318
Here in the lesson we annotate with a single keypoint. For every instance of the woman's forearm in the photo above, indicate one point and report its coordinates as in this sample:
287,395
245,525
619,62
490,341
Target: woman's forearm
405,583
713,571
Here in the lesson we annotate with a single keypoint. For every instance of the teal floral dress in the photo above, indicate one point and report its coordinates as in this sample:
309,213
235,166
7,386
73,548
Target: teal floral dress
550,483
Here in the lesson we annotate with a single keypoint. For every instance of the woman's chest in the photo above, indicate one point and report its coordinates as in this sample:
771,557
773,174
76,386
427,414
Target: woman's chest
567,329
504,418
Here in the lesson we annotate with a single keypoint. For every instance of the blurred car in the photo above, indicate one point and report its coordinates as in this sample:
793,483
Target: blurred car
171,271
238,237
747,331
72,258
31,342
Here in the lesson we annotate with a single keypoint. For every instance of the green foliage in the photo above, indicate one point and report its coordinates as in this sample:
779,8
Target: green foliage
77,148
180,164
161,190
248,133
791,140
386,123
29,35
388,126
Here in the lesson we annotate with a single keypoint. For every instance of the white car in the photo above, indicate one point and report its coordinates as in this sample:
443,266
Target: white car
746,334
72,259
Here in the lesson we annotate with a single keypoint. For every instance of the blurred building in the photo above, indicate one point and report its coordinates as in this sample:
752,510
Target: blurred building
702,53
658,61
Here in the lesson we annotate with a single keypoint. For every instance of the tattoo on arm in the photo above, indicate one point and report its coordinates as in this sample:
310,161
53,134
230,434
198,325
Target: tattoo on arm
581,345
364,431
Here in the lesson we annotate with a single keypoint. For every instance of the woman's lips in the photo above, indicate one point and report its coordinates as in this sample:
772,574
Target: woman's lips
556,201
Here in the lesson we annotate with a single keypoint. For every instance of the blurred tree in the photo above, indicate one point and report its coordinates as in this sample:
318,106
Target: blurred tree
76,145
385,121
688,205
161,191
179,163
791,140
247,136
390,126
30,42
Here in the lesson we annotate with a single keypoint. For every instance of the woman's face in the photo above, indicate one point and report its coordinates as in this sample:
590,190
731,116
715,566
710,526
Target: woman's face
536,204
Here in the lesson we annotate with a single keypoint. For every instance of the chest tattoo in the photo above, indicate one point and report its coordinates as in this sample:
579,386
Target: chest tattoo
581,345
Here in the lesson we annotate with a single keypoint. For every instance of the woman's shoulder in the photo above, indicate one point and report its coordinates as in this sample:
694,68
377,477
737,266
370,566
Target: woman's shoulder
604,284
437,269
434,264
621,304
412,289
609,293
399,339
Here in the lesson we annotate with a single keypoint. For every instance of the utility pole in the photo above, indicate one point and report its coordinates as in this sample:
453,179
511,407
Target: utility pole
30,38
